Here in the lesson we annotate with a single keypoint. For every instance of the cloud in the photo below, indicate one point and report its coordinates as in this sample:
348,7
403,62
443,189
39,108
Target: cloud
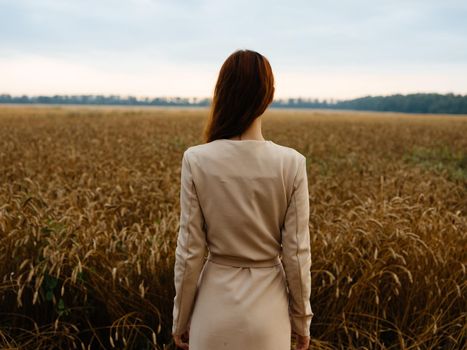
332,37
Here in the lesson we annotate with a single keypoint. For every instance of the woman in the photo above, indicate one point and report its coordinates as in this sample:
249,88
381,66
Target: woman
245,202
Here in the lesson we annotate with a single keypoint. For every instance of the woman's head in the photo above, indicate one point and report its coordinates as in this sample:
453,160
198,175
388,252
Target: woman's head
244,89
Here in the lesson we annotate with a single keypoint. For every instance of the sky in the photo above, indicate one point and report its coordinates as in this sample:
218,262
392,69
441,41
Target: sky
319,49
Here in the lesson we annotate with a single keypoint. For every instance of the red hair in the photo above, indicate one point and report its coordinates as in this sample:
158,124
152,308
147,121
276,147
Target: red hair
244,89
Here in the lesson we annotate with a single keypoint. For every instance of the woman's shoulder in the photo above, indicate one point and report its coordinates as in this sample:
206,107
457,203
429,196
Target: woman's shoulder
269,145
289,151
218,152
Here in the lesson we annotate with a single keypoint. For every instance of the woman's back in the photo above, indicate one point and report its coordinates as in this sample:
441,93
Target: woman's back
244,188
245,203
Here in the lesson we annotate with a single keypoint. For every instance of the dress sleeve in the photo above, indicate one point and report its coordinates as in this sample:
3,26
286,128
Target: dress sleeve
296,255
190,250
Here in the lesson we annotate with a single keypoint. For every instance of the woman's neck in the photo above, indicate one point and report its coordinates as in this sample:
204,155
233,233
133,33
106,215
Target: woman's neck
252,133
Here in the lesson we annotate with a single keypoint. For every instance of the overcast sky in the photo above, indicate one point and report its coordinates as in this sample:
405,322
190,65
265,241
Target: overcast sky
323,49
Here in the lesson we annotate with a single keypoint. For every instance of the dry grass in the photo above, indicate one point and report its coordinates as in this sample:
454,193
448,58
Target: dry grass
89,215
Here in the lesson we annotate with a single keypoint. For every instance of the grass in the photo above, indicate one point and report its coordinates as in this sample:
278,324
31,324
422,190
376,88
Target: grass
441,159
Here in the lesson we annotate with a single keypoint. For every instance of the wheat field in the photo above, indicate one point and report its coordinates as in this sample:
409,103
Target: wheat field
89,210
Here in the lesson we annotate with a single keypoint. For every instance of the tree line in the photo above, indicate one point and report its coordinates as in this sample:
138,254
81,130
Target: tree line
411,103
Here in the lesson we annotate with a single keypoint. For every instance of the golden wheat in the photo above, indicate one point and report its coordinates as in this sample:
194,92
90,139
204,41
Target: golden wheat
89,216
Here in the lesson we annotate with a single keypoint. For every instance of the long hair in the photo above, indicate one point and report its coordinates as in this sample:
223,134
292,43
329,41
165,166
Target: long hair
244,89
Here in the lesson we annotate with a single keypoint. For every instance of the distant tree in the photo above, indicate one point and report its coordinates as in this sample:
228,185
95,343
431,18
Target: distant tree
412,103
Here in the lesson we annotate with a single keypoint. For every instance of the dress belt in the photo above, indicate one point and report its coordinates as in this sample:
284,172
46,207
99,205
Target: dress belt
240,262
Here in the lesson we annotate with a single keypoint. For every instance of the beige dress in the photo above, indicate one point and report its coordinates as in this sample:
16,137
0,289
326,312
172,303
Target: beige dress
244,204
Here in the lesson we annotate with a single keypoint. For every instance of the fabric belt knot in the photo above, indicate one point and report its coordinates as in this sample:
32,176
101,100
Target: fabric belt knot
240,262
